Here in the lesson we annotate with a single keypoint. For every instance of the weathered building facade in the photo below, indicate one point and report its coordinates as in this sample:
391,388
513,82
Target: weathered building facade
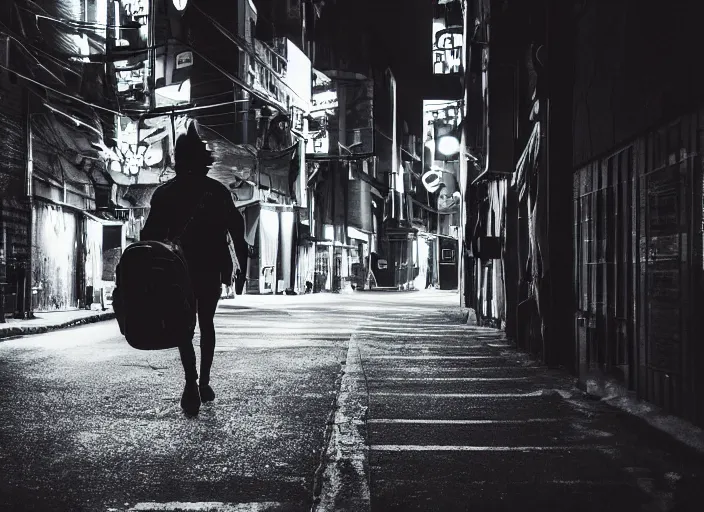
590,115
15,208
637,106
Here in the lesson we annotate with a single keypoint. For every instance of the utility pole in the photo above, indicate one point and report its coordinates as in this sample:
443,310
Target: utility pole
26,307
464,171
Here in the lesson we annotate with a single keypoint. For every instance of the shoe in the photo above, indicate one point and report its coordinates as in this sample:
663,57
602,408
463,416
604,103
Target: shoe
206,393
190,400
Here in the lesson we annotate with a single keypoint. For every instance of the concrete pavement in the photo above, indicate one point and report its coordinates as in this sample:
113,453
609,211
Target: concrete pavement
365,401
454,419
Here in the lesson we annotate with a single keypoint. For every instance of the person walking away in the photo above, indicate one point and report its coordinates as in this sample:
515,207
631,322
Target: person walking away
206,208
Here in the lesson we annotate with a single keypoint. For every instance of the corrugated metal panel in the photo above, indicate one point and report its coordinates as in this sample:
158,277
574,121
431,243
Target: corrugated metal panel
639,269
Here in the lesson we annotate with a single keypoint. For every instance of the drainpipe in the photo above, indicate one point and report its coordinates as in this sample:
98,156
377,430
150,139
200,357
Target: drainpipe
151,44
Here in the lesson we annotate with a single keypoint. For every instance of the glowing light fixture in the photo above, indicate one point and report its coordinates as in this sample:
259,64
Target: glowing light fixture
180,4
448,145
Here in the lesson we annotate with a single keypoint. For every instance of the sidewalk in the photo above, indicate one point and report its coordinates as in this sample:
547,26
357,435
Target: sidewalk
56,320
436,414
52,321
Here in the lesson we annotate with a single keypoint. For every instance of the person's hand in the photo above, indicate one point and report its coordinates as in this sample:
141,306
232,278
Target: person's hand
240,280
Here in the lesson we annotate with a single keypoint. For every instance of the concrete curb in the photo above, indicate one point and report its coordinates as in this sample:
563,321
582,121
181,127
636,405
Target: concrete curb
616,395
345,479
28,330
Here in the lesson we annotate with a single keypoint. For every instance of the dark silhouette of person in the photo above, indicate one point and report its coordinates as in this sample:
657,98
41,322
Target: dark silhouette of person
206,209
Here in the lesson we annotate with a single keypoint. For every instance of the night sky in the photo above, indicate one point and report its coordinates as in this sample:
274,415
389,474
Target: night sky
408,44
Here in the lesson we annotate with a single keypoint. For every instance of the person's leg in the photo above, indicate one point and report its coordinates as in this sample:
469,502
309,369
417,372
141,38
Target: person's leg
207,304
188,360
190,399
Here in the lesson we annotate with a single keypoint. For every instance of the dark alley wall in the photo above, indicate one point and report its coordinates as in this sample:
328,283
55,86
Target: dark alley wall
637,64
403,30
394,34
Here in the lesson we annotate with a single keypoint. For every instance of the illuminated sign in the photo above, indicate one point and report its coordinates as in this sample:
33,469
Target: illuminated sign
184,59
298,76
432,180
448,37
323,101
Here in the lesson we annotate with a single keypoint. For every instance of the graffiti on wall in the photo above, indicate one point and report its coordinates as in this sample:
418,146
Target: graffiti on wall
144,148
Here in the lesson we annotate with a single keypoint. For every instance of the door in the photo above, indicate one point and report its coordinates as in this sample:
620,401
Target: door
667,369
448,264
664,237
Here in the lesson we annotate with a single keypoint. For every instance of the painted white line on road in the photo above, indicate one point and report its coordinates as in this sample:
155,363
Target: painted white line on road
408,334
532,483
404,421
421,369
435,357
461,395
205,506
312,329
405,327
379,345
449,379
464,448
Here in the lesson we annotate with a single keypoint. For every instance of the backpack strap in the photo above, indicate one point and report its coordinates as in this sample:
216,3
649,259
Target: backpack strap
196,210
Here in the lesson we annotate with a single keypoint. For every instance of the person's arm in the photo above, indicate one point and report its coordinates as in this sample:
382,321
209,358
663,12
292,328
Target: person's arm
236,227
154,227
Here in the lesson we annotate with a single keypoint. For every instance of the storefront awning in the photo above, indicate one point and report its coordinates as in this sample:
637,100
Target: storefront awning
357,234
105,218
490,174
233,162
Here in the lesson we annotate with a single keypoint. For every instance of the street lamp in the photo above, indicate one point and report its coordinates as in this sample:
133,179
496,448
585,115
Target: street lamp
448,145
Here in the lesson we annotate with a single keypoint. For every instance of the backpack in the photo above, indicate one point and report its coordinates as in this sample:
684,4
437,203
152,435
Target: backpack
153,299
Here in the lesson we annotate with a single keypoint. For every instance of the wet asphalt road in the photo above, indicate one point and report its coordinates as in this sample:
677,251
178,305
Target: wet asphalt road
429,414
88,423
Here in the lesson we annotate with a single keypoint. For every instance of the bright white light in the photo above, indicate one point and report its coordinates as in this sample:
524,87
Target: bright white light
82,44
448,145
101,12
175,93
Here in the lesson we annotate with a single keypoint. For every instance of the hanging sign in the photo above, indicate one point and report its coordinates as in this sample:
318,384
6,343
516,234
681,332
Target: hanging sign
432,180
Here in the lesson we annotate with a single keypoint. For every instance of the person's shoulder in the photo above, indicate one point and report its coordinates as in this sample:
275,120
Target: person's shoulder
216,187
162,190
